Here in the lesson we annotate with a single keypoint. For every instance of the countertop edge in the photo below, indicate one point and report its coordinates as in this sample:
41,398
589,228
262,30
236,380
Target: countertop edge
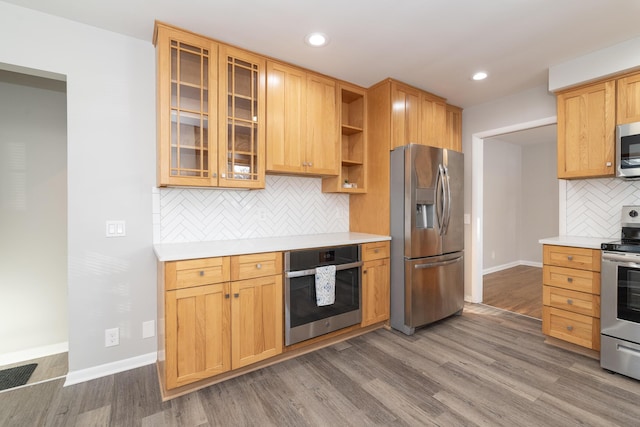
576,241
194,250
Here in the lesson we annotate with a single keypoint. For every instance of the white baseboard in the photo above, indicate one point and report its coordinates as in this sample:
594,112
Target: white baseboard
33,353
511,265
76,377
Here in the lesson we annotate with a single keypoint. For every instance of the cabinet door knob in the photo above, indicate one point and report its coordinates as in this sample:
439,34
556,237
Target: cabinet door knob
570,279
570,257
570,301
202,272
304,163
226,296
364,272
309,164
258,266
569,328
376,250
222,175
215,175
608,164
236,295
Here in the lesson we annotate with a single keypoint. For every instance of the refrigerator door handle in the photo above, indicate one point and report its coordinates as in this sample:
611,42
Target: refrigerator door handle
447,217
437,264
440,199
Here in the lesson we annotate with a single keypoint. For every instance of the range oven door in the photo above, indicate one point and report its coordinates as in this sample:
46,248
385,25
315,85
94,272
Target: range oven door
620,296
304,319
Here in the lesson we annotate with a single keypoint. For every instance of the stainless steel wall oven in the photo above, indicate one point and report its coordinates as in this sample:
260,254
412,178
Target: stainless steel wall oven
304,319
620,298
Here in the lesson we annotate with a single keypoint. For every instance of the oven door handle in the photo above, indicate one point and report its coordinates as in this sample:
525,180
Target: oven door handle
627,261
312,271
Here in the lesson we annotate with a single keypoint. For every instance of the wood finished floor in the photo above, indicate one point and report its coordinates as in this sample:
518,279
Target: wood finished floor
517,289
487,367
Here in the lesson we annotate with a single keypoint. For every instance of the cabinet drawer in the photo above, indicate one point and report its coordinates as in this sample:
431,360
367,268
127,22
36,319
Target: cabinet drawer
565,256
256,265
196,272
571,327
577,302
572,279
377,250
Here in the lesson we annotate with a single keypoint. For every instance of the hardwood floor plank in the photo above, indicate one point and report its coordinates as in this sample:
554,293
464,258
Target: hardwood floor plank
100,417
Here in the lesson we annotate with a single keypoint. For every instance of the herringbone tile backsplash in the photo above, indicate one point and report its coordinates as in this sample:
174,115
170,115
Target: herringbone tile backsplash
287,206
593,205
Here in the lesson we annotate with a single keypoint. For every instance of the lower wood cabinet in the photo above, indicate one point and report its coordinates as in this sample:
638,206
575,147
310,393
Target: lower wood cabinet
375,283
571,295
256,320
213,328
197,333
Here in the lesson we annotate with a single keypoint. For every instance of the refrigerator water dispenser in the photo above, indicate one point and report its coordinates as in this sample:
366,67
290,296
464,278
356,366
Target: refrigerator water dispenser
424,215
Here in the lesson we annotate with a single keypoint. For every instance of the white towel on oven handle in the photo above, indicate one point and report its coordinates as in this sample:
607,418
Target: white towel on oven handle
325,285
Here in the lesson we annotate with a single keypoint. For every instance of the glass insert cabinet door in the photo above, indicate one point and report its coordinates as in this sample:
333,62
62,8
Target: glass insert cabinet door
241,161
187,120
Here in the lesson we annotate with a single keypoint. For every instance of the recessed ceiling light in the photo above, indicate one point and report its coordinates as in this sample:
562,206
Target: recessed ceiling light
316,39
480,75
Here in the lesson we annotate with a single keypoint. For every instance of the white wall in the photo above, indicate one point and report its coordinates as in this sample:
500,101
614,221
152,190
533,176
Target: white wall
502,203
33,208
111,171
540,206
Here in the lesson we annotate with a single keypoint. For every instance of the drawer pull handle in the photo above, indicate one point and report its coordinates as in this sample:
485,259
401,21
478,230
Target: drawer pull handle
258,266
202,272
569,328
236,295
570,257
570,279
376,250
570,301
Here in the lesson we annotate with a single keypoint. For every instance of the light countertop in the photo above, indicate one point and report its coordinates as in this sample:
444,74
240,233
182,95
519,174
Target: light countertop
577,241
194,250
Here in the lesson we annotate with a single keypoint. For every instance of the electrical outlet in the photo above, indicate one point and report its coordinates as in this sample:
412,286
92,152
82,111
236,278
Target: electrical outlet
262,214
111,337
148,329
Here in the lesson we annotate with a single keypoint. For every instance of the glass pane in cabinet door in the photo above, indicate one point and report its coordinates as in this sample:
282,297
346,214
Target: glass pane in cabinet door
192,68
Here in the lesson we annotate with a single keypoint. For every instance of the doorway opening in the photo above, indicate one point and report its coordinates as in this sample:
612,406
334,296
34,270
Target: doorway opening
498,243
33,206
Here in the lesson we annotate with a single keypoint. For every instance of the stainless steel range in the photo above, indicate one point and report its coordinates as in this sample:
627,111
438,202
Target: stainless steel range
620,298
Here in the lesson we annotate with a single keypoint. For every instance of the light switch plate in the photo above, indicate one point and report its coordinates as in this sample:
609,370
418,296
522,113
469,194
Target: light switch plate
116,229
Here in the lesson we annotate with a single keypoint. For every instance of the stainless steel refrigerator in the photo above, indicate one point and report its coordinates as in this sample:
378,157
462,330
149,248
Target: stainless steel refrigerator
427,237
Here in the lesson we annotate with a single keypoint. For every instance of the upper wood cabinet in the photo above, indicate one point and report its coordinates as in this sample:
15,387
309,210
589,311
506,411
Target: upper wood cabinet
352,176
405,114
211,112
423,118
302,123
454,128
433,123
586,131
628,99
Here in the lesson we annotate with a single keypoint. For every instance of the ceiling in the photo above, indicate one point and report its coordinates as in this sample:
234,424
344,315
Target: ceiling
435,45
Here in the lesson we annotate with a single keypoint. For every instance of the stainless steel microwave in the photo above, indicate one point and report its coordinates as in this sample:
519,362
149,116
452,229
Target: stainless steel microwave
628,150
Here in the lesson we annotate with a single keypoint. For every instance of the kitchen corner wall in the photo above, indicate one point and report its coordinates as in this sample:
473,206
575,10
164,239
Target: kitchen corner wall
594,205
287,206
